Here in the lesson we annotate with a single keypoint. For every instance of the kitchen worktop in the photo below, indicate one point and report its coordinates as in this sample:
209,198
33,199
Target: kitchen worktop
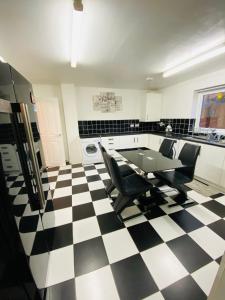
172,135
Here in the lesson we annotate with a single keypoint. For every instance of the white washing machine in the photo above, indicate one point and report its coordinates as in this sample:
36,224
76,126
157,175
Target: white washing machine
90,151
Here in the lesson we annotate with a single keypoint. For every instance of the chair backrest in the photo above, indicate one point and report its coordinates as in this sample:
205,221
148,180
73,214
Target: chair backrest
188,156
116,177
103,151
166,147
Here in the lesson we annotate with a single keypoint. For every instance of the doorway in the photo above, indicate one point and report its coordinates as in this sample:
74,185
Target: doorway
49,121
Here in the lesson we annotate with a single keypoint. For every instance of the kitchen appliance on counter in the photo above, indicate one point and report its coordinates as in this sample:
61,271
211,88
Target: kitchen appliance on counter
24,190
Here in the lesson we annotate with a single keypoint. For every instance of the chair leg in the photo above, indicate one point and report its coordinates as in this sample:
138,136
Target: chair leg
109,189
181,198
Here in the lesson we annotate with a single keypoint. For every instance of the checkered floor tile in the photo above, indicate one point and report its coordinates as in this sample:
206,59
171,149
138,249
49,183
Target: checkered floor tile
169,253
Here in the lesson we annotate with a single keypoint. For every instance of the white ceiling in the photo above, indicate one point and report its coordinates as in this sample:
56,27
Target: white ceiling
123,40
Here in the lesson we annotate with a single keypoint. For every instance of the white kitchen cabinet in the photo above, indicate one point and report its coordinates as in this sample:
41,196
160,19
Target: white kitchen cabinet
142,140
152,111
210,162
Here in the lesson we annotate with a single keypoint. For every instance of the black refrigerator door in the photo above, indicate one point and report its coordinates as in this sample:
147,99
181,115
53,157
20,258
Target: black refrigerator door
26,198
6,87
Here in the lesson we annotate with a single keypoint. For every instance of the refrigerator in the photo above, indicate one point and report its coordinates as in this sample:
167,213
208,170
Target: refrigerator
25,194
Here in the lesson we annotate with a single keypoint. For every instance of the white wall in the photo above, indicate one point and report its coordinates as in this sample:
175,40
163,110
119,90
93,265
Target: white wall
132,104
178,100
71,122
43,91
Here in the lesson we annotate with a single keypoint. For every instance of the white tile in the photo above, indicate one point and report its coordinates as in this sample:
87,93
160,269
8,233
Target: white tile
203,214
60,265
85,229
119,245
39,265
206,276
64,177
163,265
102,206
28,241
81,198
97,285
100,166
29,212
209,241
170,210
77,181
130,211
52,185
221,200
53,173
91,172
104,176
57,218
135,221
66,167
77,170
166,228
197,197
156,296
62,192
96,185
21,199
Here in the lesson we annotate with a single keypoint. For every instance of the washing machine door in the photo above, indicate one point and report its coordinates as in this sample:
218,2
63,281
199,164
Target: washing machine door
91,149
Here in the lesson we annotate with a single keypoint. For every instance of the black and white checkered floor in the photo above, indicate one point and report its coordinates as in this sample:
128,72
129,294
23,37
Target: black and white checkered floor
170,253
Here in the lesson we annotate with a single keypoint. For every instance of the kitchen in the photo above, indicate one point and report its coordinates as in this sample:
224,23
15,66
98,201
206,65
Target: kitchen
144,75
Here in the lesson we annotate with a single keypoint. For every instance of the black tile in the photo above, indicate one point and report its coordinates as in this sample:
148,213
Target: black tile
53,238
77,166
78,174
83,211
216,195
89,256
155,212
62,202
109,222
218,260
102,171
144,236
49,206
18,210
80,188
88,168
17,184
186,221
185,289
93,178
52,179
219,228
63,290
28,223
98,194
216,207
190,254
53,169
132,278
64,172
63,183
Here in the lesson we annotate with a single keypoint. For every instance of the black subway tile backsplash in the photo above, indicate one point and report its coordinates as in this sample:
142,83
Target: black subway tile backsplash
101,127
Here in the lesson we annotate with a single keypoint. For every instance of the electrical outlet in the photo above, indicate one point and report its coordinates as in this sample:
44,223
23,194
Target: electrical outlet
132,125
137,125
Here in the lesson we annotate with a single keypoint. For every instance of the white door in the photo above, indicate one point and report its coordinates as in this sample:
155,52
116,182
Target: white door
51,131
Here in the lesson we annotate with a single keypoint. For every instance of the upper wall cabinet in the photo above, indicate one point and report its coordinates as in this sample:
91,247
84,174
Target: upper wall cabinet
152,111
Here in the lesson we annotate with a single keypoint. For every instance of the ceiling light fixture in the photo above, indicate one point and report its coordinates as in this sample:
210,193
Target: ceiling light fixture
149,78
194,61
77,20
2,59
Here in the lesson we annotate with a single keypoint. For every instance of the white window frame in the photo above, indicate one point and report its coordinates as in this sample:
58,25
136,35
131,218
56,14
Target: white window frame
199,109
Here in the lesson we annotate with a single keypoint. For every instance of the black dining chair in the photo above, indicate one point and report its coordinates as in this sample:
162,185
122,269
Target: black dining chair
167,147
130,188
177,178
125,170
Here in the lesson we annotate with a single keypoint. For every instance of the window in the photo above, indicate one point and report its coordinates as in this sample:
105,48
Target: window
211,110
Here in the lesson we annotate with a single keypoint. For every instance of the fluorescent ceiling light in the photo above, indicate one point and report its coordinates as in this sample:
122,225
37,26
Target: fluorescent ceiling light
194,61
2,59
76,37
